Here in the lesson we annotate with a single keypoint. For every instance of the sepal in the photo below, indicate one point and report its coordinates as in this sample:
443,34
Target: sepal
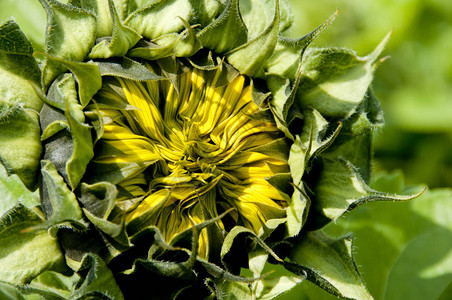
182,44
70,45
249,58
26,250
335,81
20,147
14,192
126,68
258,14
227,32
160,17
340,188
59,203
289,52
122,38
329,263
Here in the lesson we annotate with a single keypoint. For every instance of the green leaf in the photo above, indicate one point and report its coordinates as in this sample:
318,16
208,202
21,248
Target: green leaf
87,74
340,188
225,33
98,203
14,192
288,53
354,141
99,280
335,81
69,45
160,17
206,10
18,68
354,144
25,252
249,58
20,147
309,143
10,292
265,288
62,94
126,68
283,93
231,237
102,10
53,284
60,203
184,44
283,75
258,14
83,150
31,17
297,211
122,39
330,264
423,269
392,228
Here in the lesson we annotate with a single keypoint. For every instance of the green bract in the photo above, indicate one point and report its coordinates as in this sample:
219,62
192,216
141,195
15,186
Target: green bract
180,141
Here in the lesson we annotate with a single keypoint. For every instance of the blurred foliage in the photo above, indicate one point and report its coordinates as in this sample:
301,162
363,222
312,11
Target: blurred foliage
414,86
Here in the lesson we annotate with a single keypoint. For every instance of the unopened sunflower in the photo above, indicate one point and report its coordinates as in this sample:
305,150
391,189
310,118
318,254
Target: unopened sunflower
173,144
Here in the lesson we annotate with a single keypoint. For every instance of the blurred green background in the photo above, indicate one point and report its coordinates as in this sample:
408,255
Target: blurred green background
403,250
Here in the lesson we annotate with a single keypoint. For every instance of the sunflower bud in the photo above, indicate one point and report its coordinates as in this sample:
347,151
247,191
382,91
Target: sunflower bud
180,141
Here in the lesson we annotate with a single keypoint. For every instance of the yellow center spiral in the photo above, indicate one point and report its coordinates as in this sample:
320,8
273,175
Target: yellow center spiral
201,149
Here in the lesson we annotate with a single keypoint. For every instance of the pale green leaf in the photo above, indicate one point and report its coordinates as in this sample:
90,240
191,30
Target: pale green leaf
51,284
20,145
122,38
266,288
14,192
310,142
250,57
87,74
206,10
10,292
329,263
71,33
297,211
31,17
258,14
98,202
26,252
160,17
99,8
288,53
18,68
335,81
340,188
63,95
227,32
20,148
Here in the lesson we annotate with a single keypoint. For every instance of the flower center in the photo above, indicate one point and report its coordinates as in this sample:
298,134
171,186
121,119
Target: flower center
187,149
